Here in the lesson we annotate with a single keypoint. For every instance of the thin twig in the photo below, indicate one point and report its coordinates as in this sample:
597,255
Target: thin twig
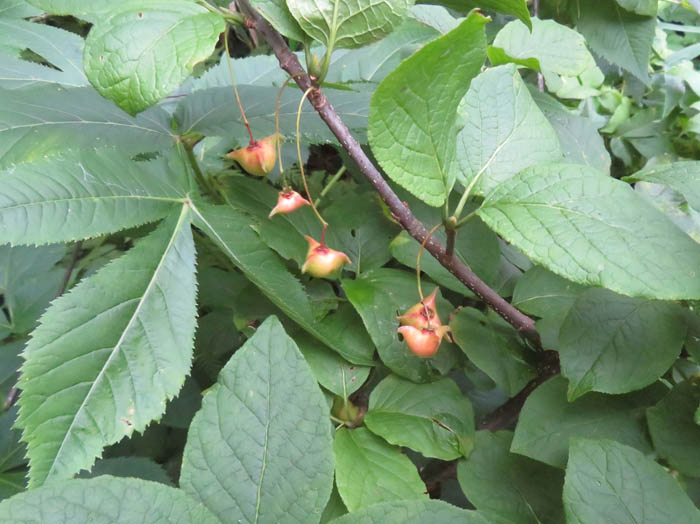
289,62
71,266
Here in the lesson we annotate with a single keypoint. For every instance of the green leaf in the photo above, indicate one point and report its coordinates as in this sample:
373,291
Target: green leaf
11,484
12,451
141,55
45,118
20,74
106,499
605,337
211,112
609,482
433,419
412,121
542,293
82,392
412,512
673,429
230,230
379,296
17,9
364,463
494,347
548,420
85,194
578,136
61,48
28,282
93,12
583,226
137,467
641,7
621,37
337,24
264,429
277,13
555,50
504,132
514,488
517,8
684,177
332,371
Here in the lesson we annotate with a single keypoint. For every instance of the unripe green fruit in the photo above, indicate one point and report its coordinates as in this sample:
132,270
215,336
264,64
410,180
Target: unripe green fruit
322,261
259,157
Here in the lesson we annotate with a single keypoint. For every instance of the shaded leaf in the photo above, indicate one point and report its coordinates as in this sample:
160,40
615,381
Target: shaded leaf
136,467
412,512
684,177
517,8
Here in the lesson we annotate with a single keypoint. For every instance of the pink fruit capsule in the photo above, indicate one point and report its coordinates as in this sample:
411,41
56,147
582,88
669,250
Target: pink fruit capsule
259,157
288,201
423,343
417,317
322,261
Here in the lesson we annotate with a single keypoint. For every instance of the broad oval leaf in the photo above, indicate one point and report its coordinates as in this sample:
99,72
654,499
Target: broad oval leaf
85,194
348,23
412,512
641,7
673,430
517,8
364,462
105,499
231,230
594,230
615,344
109,354
504,131
548,420
260,449
44,119
434,419
141,55
610,482
413,112
512,487
684,177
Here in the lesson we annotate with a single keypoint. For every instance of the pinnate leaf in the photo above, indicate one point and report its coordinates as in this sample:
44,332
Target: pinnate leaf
368,470
583,225
263,428
610,482
413,113
142,54
504,132
80,195
109,354
105,499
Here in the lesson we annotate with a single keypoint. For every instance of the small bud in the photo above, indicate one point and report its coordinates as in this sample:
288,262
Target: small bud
416,316
259,157
322,261
423,343
288,201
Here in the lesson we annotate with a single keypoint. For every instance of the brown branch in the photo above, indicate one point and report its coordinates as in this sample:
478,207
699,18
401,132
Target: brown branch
289,62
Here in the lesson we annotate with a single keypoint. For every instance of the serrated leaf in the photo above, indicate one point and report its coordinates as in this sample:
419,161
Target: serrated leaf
610,482
413,113
578,136
548,420
684,177
331,370
583,226
379,296
364,462
82,392
20,74
105,499
61,48
264,427
621,37
412,512
137,467
44,119
517,8
493,346
673,429
514,488
136,72
504,132
641,7
85,194
605,337
211,112
433,419
230,230
347,24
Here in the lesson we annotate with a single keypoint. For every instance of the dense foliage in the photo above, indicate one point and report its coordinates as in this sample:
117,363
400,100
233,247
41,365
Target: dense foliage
172,351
